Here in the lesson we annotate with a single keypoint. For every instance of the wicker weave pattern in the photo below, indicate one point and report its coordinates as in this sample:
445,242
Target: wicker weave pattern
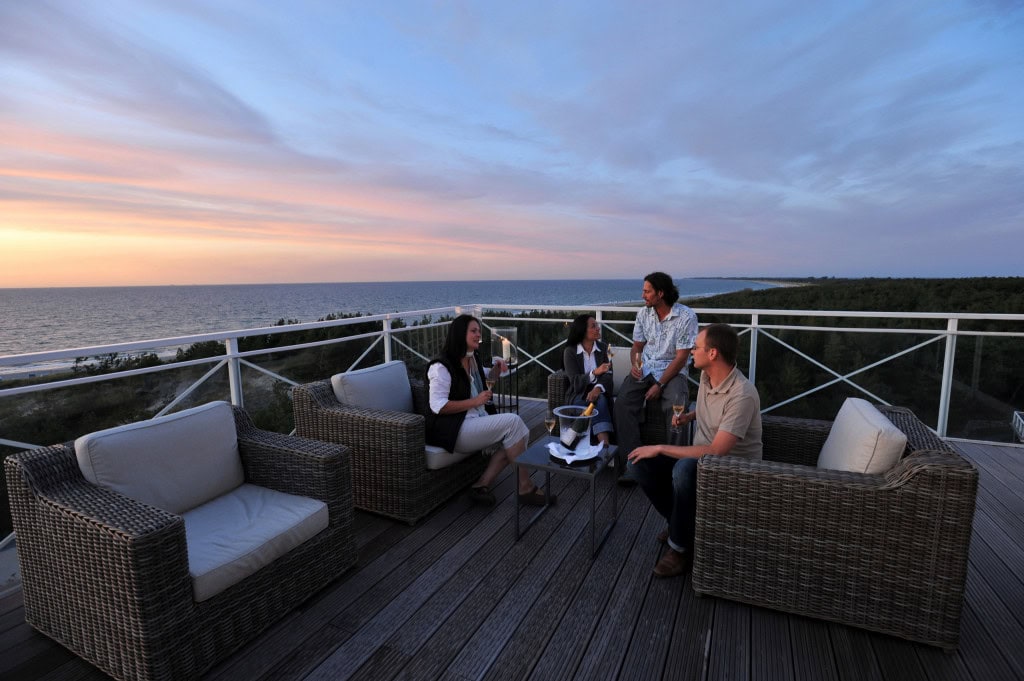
107,577
389,472
654,429
883,552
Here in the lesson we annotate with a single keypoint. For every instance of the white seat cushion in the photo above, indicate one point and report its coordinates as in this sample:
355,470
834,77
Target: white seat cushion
385,386
439,457
233,536
174,462
862,440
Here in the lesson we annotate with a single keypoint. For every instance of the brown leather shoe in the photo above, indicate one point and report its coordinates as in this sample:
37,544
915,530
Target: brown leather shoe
672,564
663,536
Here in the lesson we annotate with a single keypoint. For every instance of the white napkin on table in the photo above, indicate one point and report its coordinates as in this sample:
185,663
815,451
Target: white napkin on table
583,451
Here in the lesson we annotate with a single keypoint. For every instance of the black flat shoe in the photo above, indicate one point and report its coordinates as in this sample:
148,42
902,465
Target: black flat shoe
482,496
537,498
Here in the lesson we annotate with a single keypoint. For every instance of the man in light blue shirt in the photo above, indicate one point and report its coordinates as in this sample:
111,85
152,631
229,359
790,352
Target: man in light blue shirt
664,333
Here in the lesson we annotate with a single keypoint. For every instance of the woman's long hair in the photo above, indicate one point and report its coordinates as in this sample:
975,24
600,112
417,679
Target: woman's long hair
454,348
578,330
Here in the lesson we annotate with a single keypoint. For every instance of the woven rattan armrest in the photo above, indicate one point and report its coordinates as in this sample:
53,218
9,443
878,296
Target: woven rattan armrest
793,440
296,465
85,549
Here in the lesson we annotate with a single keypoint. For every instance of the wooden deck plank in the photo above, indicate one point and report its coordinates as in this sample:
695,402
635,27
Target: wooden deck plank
577,626
607,647
491,573
648,648
730,642
812,650
577,580
771,648
691,637
855,658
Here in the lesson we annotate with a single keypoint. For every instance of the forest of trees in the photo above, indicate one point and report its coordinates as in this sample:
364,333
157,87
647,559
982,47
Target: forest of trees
988,377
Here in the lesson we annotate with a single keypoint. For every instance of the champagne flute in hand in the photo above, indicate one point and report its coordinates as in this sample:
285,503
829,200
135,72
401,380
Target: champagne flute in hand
678,407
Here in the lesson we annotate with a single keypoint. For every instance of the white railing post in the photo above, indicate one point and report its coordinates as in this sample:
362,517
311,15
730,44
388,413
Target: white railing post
947,378
234,372
387,338
752,367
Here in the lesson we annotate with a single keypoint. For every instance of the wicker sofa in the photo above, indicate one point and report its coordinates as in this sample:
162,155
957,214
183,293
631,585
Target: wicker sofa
109,578
389,472
884,552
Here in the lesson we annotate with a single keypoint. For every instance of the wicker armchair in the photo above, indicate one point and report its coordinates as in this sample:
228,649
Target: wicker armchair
389,472
655,428
108,577
882,552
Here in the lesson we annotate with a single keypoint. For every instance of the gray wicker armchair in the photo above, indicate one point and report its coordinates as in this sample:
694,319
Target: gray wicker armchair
108,577
882,552
389,472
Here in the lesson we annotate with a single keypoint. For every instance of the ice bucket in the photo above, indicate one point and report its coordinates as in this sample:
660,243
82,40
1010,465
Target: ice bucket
573,426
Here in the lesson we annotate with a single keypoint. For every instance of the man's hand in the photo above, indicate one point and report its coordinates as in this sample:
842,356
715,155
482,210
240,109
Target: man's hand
653,393
594,394
646,452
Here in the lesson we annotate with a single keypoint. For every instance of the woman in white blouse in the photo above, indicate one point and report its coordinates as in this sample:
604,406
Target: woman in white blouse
585,360
461,418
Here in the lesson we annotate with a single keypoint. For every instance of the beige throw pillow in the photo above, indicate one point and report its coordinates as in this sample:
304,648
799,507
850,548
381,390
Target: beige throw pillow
862,440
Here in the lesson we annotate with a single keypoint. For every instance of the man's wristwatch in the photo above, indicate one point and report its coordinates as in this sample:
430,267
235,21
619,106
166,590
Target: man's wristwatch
661,386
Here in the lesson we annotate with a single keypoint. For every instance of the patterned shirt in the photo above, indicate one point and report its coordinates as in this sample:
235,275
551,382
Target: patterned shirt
678,331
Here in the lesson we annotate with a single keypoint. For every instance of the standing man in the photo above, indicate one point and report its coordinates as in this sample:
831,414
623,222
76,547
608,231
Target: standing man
664,332
728,423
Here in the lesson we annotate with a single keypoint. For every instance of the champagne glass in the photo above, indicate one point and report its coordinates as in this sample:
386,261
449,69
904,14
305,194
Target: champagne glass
549,422
678,407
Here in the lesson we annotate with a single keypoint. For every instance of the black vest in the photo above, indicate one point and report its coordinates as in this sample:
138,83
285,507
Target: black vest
442,430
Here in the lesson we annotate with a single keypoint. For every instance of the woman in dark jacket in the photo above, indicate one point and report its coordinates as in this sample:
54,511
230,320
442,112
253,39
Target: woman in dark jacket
585,360
459,419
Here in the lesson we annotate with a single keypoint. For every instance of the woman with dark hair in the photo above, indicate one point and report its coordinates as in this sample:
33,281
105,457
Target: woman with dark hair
459,420
585,360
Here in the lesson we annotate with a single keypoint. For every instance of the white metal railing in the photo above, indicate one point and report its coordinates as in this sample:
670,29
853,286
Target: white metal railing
947,329
1018,424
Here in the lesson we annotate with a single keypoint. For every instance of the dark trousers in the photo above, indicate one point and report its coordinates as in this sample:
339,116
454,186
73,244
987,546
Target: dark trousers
671,485
629,408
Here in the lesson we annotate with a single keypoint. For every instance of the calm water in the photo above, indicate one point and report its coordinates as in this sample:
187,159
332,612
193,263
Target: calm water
35,320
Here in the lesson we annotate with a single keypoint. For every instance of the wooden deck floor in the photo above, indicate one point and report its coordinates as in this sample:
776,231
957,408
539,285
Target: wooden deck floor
456,598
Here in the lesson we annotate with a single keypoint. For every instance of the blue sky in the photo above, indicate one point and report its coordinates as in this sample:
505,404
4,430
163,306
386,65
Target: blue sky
220,142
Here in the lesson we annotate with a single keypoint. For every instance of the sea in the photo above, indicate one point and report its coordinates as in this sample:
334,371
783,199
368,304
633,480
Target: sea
42,319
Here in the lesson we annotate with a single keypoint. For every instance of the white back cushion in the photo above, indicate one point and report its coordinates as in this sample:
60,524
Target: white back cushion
862,440
620,366
174,462
385,386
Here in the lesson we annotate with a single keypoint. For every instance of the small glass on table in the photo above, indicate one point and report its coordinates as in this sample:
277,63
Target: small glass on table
549,422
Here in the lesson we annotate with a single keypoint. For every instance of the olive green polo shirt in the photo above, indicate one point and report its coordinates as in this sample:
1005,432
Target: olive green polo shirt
733,406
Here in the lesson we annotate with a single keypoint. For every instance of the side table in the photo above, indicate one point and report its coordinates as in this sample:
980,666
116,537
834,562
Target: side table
537,457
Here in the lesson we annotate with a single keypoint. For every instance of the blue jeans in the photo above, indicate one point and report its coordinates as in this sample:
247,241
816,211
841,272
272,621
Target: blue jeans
671,485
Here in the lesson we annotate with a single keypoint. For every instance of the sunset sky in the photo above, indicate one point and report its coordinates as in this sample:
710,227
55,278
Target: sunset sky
189,141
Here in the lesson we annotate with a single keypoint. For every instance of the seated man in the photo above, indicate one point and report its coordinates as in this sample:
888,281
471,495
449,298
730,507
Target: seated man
664,332
728,419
